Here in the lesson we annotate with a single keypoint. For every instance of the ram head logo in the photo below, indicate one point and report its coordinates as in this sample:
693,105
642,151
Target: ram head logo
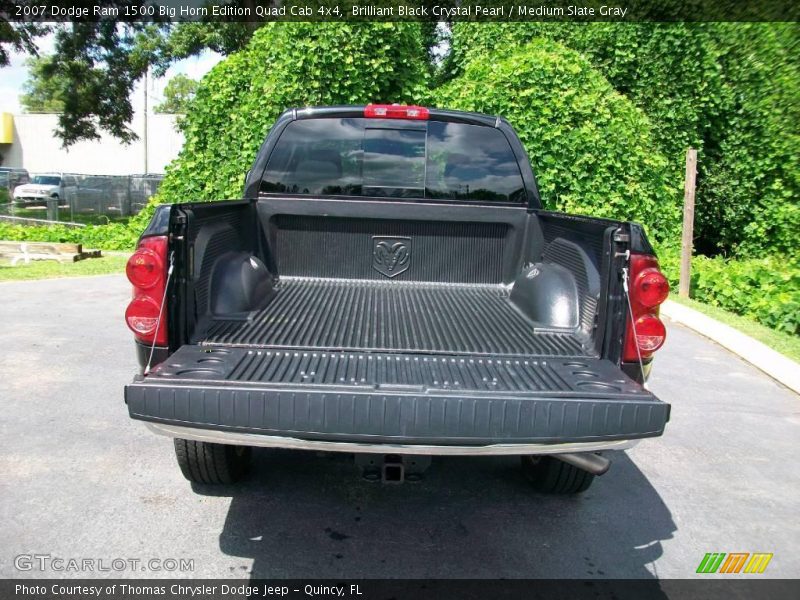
391,255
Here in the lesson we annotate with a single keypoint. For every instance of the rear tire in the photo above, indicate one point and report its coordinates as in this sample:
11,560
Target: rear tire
553,476
203,462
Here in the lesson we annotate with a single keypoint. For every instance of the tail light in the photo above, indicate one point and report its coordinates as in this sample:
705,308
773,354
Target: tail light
648,290
396,111
147,271
650,287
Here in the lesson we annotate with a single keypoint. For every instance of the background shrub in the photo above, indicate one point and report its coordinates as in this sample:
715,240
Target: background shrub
592,150
730,90
765,289
114,236
750,195
287,65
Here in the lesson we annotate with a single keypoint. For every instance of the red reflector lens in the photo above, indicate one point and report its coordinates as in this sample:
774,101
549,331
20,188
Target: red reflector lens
142,316
652,288
650,334
144,268
396,111
649,288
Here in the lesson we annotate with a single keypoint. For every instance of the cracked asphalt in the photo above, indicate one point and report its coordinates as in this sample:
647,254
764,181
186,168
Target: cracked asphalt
81,480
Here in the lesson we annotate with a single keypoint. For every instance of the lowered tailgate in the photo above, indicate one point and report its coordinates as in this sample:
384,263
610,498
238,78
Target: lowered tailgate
396,398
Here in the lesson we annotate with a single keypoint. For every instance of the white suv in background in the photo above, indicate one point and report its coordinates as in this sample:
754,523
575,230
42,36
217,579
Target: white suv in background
39,189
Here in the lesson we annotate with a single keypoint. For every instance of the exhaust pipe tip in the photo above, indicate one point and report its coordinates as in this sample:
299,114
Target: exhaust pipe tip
593,463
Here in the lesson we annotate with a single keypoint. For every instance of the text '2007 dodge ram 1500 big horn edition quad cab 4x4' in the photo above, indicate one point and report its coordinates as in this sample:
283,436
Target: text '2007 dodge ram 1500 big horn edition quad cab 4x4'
390,286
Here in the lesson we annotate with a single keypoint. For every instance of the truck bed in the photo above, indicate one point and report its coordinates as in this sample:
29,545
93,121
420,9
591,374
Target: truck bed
412,317
292,331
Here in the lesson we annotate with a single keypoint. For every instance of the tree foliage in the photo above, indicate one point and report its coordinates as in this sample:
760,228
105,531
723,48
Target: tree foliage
42,94
17,36
101,62
286,65
178,94
592,150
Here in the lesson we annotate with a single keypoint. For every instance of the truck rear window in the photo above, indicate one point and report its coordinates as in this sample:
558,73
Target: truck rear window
394,158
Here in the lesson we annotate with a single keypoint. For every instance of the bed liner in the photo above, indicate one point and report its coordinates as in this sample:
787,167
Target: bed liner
375,316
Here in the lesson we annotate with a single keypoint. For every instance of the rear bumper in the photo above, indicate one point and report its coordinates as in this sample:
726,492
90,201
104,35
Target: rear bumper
251,414
269,441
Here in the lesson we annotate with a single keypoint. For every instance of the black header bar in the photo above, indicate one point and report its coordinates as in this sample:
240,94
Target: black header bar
394,10
398,589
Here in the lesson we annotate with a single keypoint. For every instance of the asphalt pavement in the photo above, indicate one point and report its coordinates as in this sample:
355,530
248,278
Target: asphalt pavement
80,480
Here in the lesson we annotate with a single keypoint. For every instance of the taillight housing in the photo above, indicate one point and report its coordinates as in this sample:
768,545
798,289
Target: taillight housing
147,272
648,288
145,269
396,111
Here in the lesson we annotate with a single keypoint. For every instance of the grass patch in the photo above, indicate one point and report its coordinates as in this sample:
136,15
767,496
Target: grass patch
786,344
49,269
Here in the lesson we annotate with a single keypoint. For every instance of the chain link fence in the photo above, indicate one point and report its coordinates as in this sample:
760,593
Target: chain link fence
85,199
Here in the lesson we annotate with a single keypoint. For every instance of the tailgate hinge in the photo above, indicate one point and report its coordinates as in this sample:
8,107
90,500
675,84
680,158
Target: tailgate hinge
622,237
180,221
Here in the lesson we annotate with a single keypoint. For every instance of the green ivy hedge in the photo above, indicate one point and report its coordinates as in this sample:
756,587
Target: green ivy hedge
728,89
287,65
671,71
767,289
114,236
592,150
764,289
750,194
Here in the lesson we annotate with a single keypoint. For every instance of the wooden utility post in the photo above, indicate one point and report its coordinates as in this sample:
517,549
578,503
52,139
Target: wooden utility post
688,222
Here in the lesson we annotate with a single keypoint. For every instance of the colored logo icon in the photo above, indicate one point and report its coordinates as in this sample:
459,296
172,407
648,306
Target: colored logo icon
734,562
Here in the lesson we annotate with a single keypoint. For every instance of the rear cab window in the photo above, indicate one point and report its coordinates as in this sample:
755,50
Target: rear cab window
392,158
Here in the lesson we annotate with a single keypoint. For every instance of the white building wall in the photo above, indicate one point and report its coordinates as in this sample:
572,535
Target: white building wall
36,148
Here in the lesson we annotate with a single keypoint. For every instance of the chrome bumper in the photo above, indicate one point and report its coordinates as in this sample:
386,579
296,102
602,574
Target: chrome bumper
269,441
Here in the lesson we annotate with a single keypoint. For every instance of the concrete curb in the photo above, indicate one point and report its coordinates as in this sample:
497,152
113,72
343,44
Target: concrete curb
782,369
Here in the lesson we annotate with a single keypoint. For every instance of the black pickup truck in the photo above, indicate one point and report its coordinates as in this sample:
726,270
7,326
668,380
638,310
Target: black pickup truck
391,287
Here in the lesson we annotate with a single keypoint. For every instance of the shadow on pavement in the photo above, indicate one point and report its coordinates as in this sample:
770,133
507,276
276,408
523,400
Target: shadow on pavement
303,514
